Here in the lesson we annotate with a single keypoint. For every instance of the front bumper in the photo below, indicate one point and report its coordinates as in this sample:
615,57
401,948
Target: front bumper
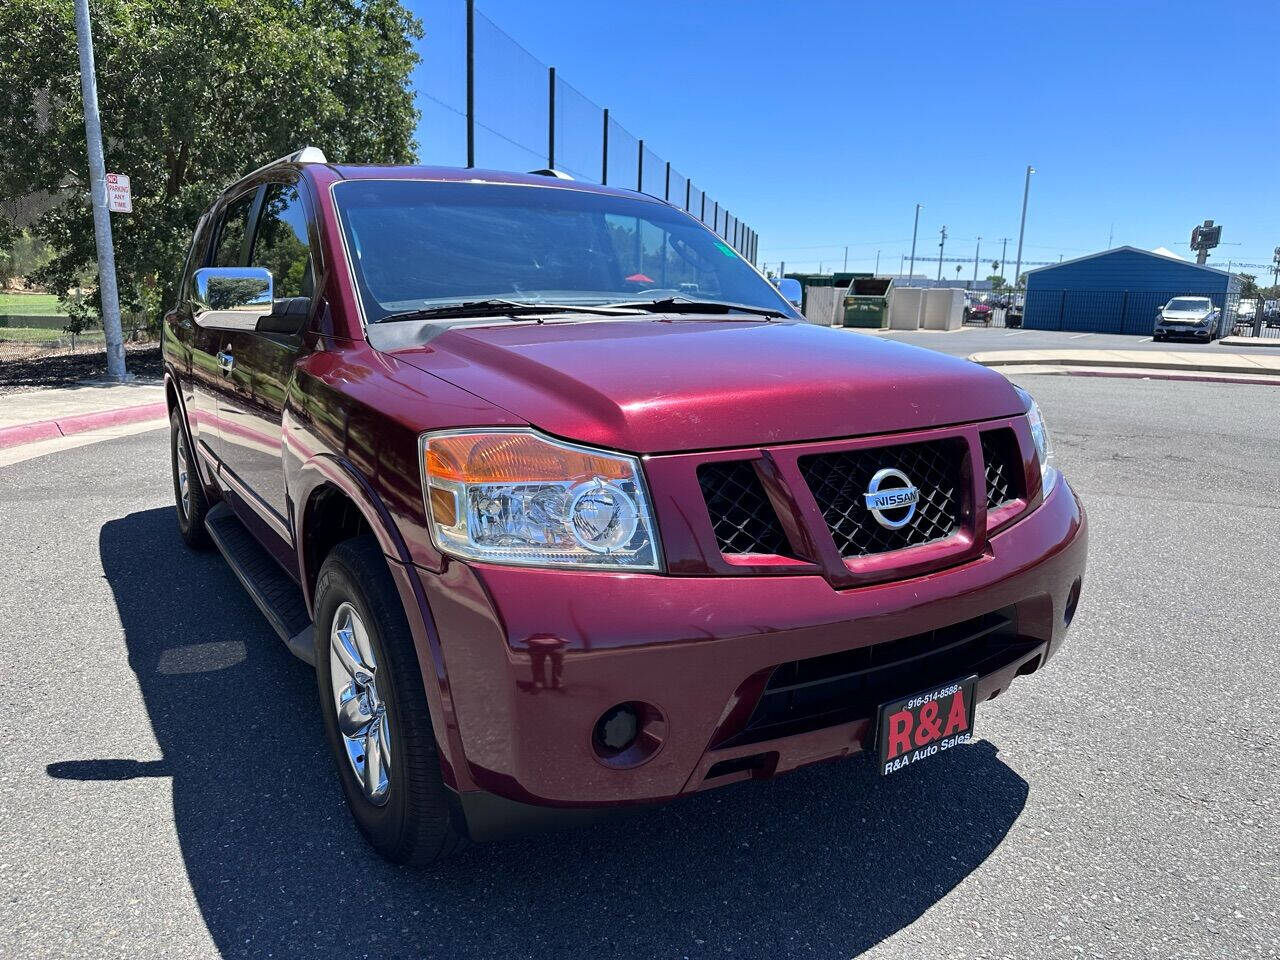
1183,330
533,658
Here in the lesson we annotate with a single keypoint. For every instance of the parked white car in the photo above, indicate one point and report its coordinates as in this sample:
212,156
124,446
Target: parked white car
1188,317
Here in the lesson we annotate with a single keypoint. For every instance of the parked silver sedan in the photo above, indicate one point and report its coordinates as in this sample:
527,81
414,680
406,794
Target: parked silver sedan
1188,317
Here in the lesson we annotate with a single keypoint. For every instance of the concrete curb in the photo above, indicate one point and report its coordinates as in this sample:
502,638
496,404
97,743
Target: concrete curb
1132,360
1140,373
67,426
1250,342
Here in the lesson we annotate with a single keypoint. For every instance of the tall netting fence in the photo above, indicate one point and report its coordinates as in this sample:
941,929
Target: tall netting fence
488,102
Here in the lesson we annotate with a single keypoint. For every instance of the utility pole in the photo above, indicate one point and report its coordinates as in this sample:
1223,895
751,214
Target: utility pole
107,293
1111,235
914,231
846,259
1026,190
877,270
941,246
1004,244
975,261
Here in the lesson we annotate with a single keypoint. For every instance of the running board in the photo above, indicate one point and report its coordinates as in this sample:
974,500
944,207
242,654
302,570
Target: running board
276,595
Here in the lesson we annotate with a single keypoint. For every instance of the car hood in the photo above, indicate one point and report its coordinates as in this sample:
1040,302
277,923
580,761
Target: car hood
663,384
1185,315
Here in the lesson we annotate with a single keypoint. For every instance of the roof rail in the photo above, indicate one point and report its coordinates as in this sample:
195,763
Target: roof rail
305,155
548,172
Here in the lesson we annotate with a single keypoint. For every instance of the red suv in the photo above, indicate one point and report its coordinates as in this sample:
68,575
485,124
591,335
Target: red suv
570,509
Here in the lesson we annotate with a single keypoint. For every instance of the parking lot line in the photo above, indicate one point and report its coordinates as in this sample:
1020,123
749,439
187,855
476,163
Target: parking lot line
1015,333
1145,340
1080,336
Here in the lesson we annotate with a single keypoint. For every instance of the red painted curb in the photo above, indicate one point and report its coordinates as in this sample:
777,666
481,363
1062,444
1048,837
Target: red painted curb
68,426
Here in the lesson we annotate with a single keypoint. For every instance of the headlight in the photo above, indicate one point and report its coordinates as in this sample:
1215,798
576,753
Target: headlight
512,496
1044,447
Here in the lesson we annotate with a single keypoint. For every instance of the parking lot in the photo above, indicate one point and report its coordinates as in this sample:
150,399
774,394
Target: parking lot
164,765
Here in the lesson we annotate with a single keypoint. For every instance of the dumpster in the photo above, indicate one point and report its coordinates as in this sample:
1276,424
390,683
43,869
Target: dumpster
867,302
823,302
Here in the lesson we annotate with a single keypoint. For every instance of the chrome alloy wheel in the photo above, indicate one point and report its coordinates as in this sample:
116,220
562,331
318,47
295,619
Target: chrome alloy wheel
184,481
362,716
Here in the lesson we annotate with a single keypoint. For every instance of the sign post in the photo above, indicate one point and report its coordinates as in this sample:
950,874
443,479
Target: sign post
107,293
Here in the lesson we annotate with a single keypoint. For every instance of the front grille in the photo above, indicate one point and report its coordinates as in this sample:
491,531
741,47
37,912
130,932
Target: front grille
741,515
805,695
839,480
1003,467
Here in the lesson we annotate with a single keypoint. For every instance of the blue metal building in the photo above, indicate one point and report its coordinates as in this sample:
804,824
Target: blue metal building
1120,291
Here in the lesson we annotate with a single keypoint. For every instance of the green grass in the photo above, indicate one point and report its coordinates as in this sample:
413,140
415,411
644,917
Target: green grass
39,335
30,305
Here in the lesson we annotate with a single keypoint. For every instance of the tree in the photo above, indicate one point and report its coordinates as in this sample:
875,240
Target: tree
996,281
193,96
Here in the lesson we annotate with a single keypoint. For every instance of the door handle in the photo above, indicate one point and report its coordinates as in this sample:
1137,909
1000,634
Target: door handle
226,362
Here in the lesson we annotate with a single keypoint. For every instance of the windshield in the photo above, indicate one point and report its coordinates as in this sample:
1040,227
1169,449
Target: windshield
1187,303
417,244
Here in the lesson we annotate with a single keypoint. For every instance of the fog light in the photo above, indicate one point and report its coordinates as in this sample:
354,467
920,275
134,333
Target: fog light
1073,599
617,728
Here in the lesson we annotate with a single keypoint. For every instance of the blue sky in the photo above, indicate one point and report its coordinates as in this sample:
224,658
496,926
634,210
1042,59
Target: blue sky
822,124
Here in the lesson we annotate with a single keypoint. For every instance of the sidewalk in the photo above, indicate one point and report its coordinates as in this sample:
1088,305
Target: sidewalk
1220,367
62,412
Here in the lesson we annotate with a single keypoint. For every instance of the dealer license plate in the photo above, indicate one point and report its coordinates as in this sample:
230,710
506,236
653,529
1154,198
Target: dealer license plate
923,725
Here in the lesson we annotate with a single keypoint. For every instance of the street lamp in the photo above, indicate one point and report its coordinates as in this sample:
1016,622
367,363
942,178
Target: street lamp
1026,189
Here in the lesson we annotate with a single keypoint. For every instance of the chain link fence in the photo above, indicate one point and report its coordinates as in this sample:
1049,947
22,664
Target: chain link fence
1135,312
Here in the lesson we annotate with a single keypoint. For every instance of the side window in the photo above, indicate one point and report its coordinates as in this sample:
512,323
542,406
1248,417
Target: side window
195,256
280,243
235,220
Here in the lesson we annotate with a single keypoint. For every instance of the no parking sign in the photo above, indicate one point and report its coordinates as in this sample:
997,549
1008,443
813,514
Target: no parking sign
119,195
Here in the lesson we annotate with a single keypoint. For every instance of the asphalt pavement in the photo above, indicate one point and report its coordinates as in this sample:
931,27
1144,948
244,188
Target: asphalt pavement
165,789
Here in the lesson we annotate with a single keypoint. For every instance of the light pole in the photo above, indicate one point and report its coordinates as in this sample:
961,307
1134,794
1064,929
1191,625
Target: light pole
942,244
914,231
975,261
107,294
1026,189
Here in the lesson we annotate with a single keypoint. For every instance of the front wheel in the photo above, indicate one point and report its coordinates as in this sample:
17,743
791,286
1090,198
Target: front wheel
188,491
375,710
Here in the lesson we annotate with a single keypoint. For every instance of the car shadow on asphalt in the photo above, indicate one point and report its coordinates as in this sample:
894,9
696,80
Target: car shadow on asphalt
826,861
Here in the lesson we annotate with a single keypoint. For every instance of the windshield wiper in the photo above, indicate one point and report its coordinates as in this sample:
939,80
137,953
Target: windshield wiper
499,307
689,305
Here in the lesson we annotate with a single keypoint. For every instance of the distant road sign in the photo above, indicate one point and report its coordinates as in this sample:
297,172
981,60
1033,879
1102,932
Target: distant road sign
119,194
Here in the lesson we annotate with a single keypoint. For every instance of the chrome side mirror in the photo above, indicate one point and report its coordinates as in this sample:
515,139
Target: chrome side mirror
232,298
791,290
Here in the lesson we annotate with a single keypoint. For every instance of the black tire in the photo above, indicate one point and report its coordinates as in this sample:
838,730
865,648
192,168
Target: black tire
191,517
414,825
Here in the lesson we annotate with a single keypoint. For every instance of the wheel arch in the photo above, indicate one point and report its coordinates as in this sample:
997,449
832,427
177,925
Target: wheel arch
333,502
329,487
